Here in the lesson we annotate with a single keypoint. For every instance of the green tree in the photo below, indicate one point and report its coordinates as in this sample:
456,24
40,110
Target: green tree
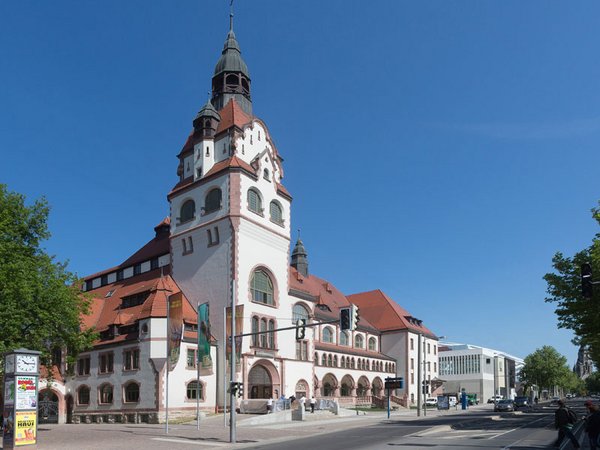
40,304
546,368
592,383
575,312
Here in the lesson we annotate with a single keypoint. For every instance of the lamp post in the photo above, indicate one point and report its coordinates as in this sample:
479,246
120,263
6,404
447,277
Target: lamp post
495,379
419,382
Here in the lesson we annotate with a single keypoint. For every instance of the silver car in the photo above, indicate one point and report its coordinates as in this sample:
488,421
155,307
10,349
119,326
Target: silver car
504,405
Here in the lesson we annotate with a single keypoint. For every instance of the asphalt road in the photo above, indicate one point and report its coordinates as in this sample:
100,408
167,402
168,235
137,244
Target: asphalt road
477,430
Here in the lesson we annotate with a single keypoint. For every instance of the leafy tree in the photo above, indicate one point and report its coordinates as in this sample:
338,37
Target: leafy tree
40,305
592,383
546,368
575,312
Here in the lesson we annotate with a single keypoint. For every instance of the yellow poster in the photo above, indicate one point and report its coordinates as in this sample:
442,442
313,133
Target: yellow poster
25,427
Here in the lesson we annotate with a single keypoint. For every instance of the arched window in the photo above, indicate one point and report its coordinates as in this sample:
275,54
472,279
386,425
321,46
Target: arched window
329,360
344,338
212,201
194,391
254,201
262,287
255,330
372,344
132,392
352,363
276,212
271,333
316,359
266,173
299,312
327,335
263,335
358,341
188,211
83,395
335,361
324,359
343,362
105,394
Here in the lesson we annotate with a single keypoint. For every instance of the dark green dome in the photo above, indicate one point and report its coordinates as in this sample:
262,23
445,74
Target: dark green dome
231,57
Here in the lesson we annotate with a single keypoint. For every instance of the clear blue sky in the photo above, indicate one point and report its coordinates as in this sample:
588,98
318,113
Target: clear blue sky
440,151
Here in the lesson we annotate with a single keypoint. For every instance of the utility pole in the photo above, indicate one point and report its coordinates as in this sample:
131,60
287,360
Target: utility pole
232,417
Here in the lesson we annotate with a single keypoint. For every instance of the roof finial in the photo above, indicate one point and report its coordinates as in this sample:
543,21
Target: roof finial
231,16
298,233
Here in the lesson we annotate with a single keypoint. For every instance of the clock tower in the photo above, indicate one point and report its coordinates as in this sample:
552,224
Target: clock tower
230,217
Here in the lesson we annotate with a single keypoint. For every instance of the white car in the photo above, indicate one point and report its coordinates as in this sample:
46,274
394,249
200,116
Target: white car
431,401
495,398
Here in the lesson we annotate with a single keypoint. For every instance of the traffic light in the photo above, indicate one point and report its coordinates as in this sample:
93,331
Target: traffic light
345,316
587,287
354,317
233,387
300,329
240,390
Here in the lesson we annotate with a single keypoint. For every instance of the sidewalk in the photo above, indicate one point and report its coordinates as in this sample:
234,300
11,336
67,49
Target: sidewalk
215,434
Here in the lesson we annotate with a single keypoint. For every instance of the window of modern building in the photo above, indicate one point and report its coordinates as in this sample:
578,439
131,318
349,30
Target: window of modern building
262,287
254,201
372,344
412,344
83,365
83,395
327,335
187,211
434,366
105,362
105,396
428,348
344,339
412,363
359,341
212,201
412,378
194,390
131,359
132,392
276,212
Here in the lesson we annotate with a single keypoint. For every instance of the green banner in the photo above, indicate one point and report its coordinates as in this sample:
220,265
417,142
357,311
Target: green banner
204,336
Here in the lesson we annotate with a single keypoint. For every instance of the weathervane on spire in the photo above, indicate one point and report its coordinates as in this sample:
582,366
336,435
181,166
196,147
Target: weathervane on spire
231,16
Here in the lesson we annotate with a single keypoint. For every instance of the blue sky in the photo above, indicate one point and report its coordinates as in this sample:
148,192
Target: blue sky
440,151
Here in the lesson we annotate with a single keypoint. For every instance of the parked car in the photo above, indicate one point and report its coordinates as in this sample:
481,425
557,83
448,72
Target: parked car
521,402
504,405
495,398
431,401
472,399
554,400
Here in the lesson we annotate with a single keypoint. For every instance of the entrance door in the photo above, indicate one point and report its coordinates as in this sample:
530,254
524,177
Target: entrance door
259,381
48,407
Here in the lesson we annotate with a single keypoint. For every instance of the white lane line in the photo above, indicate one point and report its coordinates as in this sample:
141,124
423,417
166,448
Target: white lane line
518,428
189,442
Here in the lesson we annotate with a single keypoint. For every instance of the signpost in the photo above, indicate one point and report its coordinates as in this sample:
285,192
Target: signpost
391,384
20,414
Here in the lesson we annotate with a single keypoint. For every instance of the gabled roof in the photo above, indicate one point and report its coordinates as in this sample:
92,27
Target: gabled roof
107,311
232,114
385,313
324,293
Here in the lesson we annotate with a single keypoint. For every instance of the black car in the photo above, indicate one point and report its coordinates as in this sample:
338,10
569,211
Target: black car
504,405
522,402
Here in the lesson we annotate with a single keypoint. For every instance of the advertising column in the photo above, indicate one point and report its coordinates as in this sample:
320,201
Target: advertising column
19,418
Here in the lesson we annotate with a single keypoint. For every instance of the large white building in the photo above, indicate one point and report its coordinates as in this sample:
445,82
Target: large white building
478,370
228,240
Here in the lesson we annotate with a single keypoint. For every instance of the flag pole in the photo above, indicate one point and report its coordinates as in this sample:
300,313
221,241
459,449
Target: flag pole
167,368
198,370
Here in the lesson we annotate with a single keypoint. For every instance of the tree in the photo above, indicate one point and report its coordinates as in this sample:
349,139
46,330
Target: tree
41,306
574,311
546,368
592,383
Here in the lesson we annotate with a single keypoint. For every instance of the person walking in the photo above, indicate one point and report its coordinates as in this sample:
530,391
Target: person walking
564,418
269,405
313,402
592,424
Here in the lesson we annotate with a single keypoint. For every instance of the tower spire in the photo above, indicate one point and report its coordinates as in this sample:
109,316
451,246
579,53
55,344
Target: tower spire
231,16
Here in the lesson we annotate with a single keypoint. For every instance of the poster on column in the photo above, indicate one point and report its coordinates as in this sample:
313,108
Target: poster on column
9,390
175,324
239,326
25,427
8,426
25,395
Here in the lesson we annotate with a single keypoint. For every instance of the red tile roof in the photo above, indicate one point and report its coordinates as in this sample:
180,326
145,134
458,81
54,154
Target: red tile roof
232,114
233,162
326,294
106,311
384,313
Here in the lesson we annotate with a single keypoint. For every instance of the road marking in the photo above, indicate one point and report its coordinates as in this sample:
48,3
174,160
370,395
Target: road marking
184,441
